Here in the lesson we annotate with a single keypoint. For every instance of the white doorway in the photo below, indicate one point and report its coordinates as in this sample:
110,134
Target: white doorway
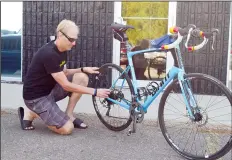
148,25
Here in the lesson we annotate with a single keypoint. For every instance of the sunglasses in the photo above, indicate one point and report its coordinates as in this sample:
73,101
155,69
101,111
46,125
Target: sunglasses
69,38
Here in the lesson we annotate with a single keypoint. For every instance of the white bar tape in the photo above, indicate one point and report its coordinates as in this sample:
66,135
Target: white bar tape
201,44
174,44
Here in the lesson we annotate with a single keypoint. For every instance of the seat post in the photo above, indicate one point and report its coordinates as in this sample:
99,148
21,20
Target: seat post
128,46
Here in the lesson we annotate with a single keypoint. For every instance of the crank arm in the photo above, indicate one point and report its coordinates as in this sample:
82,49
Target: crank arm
134,126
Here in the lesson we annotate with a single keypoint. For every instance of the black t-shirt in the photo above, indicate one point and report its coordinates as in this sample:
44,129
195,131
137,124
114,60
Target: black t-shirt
39,81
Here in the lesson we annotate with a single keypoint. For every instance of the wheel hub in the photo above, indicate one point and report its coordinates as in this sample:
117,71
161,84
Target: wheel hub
198,117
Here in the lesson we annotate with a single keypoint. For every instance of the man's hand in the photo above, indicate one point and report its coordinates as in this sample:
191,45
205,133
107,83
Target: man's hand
103,93
91,70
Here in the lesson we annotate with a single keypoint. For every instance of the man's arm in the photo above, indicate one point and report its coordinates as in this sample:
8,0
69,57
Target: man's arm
71,87
52,66
71,71
90,70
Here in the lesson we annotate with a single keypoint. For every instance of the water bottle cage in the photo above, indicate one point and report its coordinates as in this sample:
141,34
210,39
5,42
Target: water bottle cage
142,92
150,89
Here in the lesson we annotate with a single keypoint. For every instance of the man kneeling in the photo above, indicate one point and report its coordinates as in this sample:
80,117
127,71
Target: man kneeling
48,81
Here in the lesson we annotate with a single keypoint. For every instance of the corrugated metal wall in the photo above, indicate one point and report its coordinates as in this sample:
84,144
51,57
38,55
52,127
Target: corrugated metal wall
207,15
94,46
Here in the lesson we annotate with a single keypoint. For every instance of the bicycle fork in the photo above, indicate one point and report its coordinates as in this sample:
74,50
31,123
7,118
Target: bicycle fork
187,95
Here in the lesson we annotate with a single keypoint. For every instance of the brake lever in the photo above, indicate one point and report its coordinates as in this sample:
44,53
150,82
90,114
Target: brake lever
188,36
215,32
191,28
195,32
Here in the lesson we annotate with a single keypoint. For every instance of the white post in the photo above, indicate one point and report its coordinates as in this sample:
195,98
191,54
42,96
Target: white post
229,71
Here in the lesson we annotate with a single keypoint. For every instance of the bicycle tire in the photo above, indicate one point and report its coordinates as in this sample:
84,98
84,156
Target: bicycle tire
109,126
224,150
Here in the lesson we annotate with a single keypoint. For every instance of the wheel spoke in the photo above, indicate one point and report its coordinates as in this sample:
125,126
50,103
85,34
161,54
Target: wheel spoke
114,116
210,131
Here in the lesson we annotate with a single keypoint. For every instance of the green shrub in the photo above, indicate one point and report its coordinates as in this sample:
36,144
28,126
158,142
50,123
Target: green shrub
145,28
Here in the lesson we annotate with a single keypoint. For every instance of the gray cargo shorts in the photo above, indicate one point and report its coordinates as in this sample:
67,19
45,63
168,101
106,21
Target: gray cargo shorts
47,108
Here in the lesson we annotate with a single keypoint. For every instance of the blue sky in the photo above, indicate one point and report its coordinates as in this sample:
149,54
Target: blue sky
11,15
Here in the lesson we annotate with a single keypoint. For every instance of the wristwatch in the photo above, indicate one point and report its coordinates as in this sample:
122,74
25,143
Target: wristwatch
95,92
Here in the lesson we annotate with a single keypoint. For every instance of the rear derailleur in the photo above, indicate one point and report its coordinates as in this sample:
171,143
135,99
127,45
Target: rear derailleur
137,116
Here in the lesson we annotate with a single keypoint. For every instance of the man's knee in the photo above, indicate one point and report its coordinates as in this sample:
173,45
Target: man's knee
66,129
81,78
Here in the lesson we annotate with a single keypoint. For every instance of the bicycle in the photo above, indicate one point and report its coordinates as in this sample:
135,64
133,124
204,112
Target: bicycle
176,84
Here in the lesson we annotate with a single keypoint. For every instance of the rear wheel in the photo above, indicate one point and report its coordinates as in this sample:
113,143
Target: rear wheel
113,116
209,136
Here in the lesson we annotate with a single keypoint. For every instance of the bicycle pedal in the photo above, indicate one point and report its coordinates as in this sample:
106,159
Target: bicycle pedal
130,132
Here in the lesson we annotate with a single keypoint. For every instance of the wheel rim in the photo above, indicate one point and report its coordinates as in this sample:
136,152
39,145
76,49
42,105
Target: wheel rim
203,138
112,115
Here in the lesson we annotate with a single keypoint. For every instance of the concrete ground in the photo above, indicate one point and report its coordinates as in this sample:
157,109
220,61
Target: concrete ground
94,143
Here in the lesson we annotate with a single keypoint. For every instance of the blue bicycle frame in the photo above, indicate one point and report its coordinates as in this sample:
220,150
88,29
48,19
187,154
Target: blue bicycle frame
174,72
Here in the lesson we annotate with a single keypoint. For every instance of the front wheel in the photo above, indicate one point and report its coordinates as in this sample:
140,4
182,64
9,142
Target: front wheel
113,116
209,135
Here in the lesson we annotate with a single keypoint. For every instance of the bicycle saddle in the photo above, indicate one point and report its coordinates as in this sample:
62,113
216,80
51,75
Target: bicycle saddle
118,26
